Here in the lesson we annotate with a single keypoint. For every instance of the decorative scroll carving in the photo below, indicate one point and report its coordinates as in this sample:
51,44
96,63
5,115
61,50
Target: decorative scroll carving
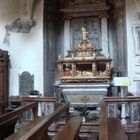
83,66
84,99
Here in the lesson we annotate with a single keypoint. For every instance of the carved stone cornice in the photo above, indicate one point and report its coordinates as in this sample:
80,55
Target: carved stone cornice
85,14
77,3
81,6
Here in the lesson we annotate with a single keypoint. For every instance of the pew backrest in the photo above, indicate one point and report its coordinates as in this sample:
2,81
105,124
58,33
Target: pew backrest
39,130
18,111
115,130
9,120
7,127
103,131
110,128
70,130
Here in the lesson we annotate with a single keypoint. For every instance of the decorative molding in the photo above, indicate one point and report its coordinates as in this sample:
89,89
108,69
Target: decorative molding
137,3
136,38
81,2
137,78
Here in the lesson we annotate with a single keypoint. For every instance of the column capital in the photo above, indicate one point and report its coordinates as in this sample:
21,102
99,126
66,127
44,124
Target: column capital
66,17
104,16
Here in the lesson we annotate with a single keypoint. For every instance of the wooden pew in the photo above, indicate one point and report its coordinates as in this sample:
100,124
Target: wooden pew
38,129
103,131
18,111
138,135
110,128
8,120
70,130
3,105
115,130
7,127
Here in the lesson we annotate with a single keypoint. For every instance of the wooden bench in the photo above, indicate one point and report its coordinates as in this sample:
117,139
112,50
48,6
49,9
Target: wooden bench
110,128
8,120
7,127
103,132
38,129
115,130
3,105
70,130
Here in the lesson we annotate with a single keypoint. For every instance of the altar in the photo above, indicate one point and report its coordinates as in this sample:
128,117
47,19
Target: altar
81,94
85,74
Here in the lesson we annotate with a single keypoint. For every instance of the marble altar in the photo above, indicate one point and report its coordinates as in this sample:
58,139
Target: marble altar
81,94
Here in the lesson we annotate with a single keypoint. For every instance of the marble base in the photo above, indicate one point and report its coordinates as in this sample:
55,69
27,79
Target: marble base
81,94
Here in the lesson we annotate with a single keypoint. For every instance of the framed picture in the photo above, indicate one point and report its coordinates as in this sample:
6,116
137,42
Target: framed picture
112,108
136,36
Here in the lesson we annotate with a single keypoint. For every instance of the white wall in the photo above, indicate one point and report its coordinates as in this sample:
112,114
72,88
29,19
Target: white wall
26,49
133,68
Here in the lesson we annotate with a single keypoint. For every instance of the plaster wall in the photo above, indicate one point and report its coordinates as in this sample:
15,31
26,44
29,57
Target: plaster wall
132,61
26,49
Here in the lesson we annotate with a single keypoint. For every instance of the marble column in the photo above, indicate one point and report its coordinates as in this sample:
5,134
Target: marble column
66,36
104,34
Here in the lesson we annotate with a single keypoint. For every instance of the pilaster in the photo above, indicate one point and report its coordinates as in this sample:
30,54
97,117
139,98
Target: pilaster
104,35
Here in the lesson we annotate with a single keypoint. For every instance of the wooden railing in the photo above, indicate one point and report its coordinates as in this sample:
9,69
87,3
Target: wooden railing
110,128
19,111
43,103
46,105
123,115
126,108
38,130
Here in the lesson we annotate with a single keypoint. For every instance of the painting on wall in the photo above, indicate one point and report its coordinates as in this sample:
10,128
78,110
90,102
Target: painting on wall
93,27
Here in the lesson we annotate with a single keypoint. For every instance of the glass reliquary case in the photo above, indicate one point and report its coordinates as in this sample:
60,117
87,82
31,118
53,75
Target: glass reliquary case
84,63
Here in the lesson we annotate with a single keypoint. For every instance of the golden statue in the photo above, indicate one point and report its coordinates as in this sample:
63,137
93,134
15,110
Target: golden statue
84,33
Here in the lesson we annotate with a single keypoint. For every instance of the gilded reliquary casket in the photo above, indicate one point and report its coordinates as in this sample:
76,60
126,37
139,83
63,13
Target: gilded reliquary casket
84,63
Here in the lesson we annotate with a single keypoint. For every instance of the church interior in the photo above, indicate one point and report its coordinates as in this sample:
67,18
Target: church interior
70,70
